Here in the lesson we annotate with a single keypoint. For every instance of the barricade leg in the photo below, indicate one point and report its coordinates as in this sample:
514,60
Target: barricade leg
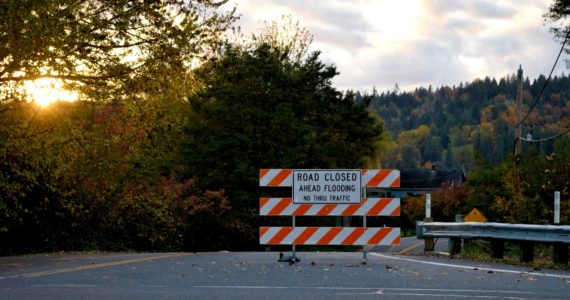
293,258
364,258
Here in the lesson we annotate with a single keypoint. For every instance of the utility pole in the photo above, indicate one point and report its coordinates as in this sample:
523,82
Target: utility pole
518,135
518,129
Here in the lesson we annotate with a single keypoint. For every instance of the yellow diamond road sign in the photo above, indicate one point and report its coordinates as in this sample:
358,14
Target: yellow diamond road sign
475,216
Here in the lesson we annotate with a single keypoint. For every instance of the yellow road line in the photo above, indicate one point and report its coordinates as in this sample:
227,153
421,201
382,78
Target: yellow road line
99,265
410,248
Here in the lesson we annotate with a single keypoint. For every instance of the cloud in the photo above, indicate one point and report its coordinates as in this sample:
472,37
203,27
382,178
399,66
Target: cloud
419,42
336,24
477,8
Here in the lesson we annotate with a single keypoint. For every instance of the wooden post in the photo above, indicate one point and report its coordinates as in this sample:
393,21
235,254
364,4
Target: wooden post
518,101
560,253
518,135
498,248
527,251
454,246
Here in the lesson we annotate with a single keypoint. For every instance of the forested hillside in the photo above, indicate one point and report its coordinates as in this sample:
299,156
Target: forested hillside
447,126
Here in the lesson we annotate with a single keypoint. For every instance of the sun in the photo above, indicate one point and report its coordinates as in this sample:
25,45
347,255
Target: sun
46,91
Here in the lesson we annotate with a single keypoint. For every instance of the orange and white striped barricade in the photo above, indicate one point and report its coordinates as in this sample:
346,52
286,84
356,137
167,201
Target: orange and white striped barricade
329,193
368,207
370,178
381,178
275,177
329,236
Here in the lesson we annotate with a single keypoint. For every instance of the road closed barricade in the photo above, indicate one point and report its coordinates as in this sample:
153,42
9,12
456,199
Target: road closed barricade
321,193
356,236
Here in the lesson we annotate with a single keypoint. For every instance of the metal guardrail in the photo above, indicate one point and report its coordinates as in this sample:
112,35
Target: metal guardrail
499,231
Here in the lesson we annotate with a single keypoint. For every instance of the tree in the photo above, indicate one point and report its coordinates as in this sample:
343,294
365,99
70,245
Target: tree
104,46
89,175
448,201
558,11
261,108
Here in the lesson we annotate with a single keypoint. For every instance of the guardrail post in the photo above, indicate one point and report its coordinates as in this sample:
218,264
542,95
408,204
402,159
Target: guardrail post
527,251
454,246
498,248
560,253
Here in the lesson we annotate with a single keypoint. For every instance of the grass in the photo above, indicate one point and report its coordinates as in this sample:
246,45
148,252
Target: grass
481,251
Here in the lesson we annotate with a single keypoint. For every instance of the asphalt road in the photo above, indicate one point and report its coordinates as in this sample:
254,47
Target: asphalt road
258,275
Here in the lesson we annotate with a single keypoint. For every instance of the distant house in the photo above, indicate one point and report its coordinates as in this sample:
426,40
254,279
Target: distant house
420,181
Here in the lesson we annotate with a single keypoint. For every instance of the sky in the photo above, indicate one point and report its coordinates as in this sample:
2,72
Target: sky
412,43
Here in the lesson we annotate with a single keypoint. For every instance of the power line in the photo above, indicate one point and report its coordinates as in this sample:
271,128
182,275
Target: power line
546,139
546,82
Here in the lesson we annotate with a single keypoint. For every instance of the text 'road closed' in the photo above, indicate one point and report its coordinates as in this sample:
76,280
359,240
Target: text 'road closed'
326,186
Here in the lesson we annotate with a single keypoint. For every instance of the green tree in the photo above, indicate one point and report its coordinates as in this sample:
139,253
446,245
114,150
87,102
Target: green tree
485,185
262,108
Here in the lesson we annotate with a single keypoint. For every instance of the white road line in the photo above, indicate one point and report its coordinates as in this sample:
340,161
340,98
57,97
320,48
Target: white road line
466,296
381,292
64,285
470,267
265,287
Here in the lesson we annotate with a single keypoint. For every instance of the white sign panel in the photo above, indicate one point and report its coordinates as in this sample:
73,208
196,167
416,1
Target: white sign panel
326,186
